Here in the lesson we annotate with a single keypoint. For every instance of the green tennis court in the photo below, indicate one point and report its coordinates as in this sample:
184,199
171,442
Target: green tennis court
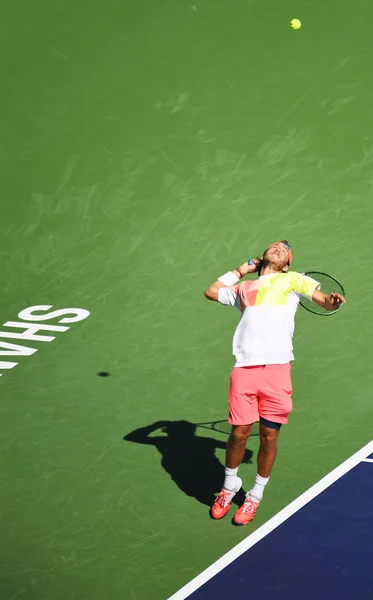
147,148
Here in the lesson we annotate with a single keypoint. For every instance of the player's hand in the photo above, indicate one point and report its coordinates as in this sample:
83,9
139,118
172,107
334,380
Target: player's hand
250,266
336,299
255,263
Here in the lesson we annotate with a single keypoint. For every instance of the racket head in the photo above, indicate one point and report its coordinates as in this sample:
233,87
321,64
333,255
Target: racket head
328,284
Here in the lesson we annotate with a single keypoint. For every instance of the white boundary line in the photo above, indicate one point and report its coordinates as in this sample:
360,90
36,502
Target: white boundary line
277,520
368,460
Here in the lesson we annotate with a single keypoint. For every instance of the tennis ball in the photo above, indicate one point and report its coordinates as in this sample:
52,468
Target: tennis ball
295,24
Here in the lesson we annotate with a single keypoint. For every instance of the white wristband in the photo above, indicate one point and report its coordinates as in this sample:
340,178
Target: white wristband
228,278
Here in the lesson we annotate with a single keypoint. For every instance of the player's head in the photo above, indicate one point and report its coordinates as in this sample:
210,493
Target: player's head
278,255
179,429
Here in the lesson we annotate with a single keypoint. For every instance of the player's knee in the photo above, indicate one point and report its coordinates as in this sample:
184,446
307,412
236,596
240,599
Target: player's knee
268,440
239,435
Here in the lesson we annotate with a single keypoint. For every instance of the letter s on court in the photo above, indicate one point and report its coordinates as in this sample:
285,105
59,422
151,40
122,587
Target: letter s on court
27,314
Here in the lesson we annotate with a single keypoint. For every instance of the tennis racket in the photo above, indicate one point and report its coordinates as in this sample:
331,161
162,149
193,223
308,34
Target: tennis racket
328,285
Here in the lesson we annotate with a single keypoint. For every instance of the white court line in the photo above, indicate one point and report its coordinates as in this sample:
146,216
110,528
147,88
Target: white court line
368,460
277,520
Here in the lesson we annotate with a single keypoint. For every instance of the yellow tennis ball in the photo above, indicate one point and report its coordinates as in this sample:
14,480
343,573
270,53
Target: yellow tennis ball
295,24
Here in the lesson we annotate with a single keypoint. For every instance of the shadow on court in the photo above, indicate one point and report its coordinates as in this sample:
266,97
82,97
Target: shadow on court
188,458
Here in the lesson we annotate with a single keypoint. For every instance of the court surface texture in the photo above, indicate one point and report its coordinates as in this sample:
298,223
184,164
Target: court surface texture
146,149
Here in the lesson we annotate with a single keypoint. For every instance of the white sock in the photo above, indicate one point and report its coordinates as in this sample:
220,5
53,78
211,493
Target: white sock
257,492
230,480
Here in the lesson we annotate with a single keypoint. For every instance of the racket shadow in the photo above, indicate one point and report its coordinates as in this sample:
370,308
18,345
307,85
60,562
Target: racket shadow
189,459
222,426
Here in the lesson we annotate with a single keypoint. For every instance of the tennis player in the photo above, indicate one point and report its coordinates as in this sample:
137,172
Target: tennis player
260,382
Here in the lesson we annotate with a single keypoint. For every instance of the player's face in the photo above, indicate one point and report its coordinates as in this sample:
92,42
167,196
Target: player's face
278,255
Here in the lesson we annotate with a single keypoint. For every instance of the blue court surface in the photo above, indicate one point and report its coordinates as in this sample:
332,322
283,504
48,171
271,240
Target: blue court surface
320,546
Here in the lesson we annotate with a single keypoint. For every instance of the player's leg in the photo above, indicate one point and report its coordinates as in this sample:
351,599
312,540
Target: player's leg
235,452
236,445
243,411
269,432
275,404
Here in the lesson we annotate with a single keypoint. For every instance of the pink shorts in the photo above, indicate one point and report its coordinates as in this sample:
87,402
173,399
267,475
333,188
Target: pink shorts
262,391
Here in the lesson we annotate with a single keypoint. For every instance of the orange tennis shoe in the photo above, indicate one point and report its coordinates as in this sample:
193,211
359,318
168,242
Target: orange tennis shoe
246,512
223,501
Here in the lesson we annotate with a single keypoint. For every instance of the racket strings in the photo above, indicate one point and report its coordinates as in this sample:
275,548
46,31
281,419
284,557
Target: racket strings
328,285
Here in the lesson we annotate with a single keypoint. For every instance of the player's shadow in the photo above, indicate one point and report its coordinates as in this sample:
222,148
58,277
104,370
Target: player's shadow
188,458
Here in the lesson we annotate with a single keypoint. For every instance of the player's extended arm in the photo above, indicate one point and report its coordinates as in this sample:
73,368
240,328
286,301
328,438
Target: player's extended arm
330,302
212,292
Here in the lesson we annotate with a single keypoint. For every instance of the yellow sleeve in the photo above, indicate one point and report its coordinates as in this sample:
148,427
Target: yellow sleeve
303,285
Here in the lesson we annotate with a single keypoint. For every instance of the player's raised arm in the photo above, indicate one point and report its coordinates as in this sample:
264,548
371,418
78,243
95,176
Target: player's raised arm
329,302
230,279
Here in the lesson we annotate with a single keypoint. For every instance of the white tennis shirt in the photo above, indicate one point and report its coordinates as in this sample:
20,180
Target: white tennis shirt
264,335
